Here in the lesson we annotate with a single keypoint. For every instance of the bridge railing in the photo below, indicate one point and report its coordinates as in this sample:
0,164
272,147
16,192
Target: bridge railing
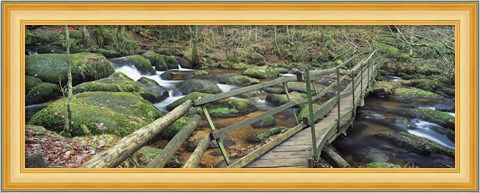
133,142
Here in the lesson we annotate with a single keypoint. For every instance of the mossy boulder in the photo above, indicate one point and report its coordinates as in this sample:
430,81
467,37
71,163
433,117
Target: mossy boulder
257,58
171,62
156,60
233,65
30,82
382,88
49,49
407,93
175,127
442,118
266,122
250,94
262,72
231,107
263,136
431,85
274,90
107,53
43,92
142,64
117,82
198,74
223,108
184,63
49,37
53,67
304,110
381,165
236,79
199,85
298,86
414,143
151,90
280,99
118,113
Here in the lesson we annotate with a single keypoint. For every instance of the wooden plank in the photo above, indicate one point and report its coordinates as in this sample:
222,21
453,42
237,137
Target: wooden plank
216,97
225,131
245,160
130,144
168,151
286,154
292,148
197,155
278,162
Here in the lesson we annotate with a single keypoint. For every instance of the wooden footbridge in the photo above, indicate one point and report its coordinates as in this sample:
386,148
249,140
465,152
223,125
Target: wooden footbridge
299,146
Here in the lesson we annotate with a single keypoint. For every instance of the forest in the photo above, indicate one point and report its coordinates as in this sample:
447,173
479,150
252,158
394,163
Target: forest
87,87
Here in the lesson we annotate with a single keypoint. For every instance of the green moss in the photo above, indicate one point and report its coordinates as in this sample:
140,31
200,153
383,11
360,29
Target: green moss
171,62
142,64
151,90
257,58
199,85
270,132
280,99
231,107
200,73
39,130
381,165
117,82
414,143
388,50
304,111
30,82
175,127
43,92
191,96
53,67
235,79
382,88
107,53
434,116
118,113
414,92
160,63
263,72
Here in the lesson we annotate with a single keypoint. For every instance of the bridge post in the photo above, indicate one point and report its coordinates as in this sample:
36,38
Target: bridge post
219,140
338,99
311,122
361,80
353,93
285,89
368,74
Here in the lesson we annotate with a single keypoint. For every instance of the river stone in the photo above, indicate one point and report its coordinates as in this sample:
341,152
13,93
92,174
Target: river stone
49,49
108,53
118,113
117,82
199,85
408,93
266,122
236,79
53,67
184,63
414,143
43,92
274,90
31,82
280,99
442,118
35,161
151,90
227,142
370,154
142,64
262,72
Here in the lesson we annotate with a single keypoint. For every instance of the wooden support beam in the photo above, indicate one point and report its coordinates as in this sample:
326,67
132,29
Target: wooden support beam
166,154
197,155
130,144
245,160
333,158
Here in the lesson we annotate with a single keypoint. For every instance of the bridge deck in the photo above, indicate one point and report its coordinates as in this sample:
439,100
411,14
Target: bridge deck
295,151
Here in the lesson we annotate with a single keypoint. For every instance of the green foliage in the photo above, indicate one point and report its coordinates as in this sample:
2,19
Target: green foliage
263,136
115,38
266,122
118,113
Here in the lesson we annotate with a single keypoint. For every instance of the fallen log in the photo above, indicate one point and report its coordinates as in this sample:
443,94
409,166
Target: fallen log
130,144
174,144
333,158
197,155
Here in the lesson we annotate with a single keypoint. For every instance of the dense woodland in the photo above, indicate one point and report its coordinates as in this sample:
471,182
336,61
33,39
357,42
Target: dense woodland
81,68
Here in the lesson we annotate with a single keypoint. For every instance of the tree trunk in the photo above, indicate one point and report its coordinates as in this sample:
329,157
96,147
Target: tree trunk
68,119
194,38
114,156
174,144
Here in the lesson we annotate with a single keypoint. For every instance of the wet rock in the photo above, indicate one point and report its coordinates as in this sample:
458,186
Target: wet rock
151,91
415,144
43,92
142,64
191,96
199,85
274,90
53,67
280,99
198,74
31,82
171,62
249,94
117,82
168,75
381,165
262,72
266,122
370,154
227,142
118,113
282,70
184,63
236,79
35,161
256,58
442,118
233,65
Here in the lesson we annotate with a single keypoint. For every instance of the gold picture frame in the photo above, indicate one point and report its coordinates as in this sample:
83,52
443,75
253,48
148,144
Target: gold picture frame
463,15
